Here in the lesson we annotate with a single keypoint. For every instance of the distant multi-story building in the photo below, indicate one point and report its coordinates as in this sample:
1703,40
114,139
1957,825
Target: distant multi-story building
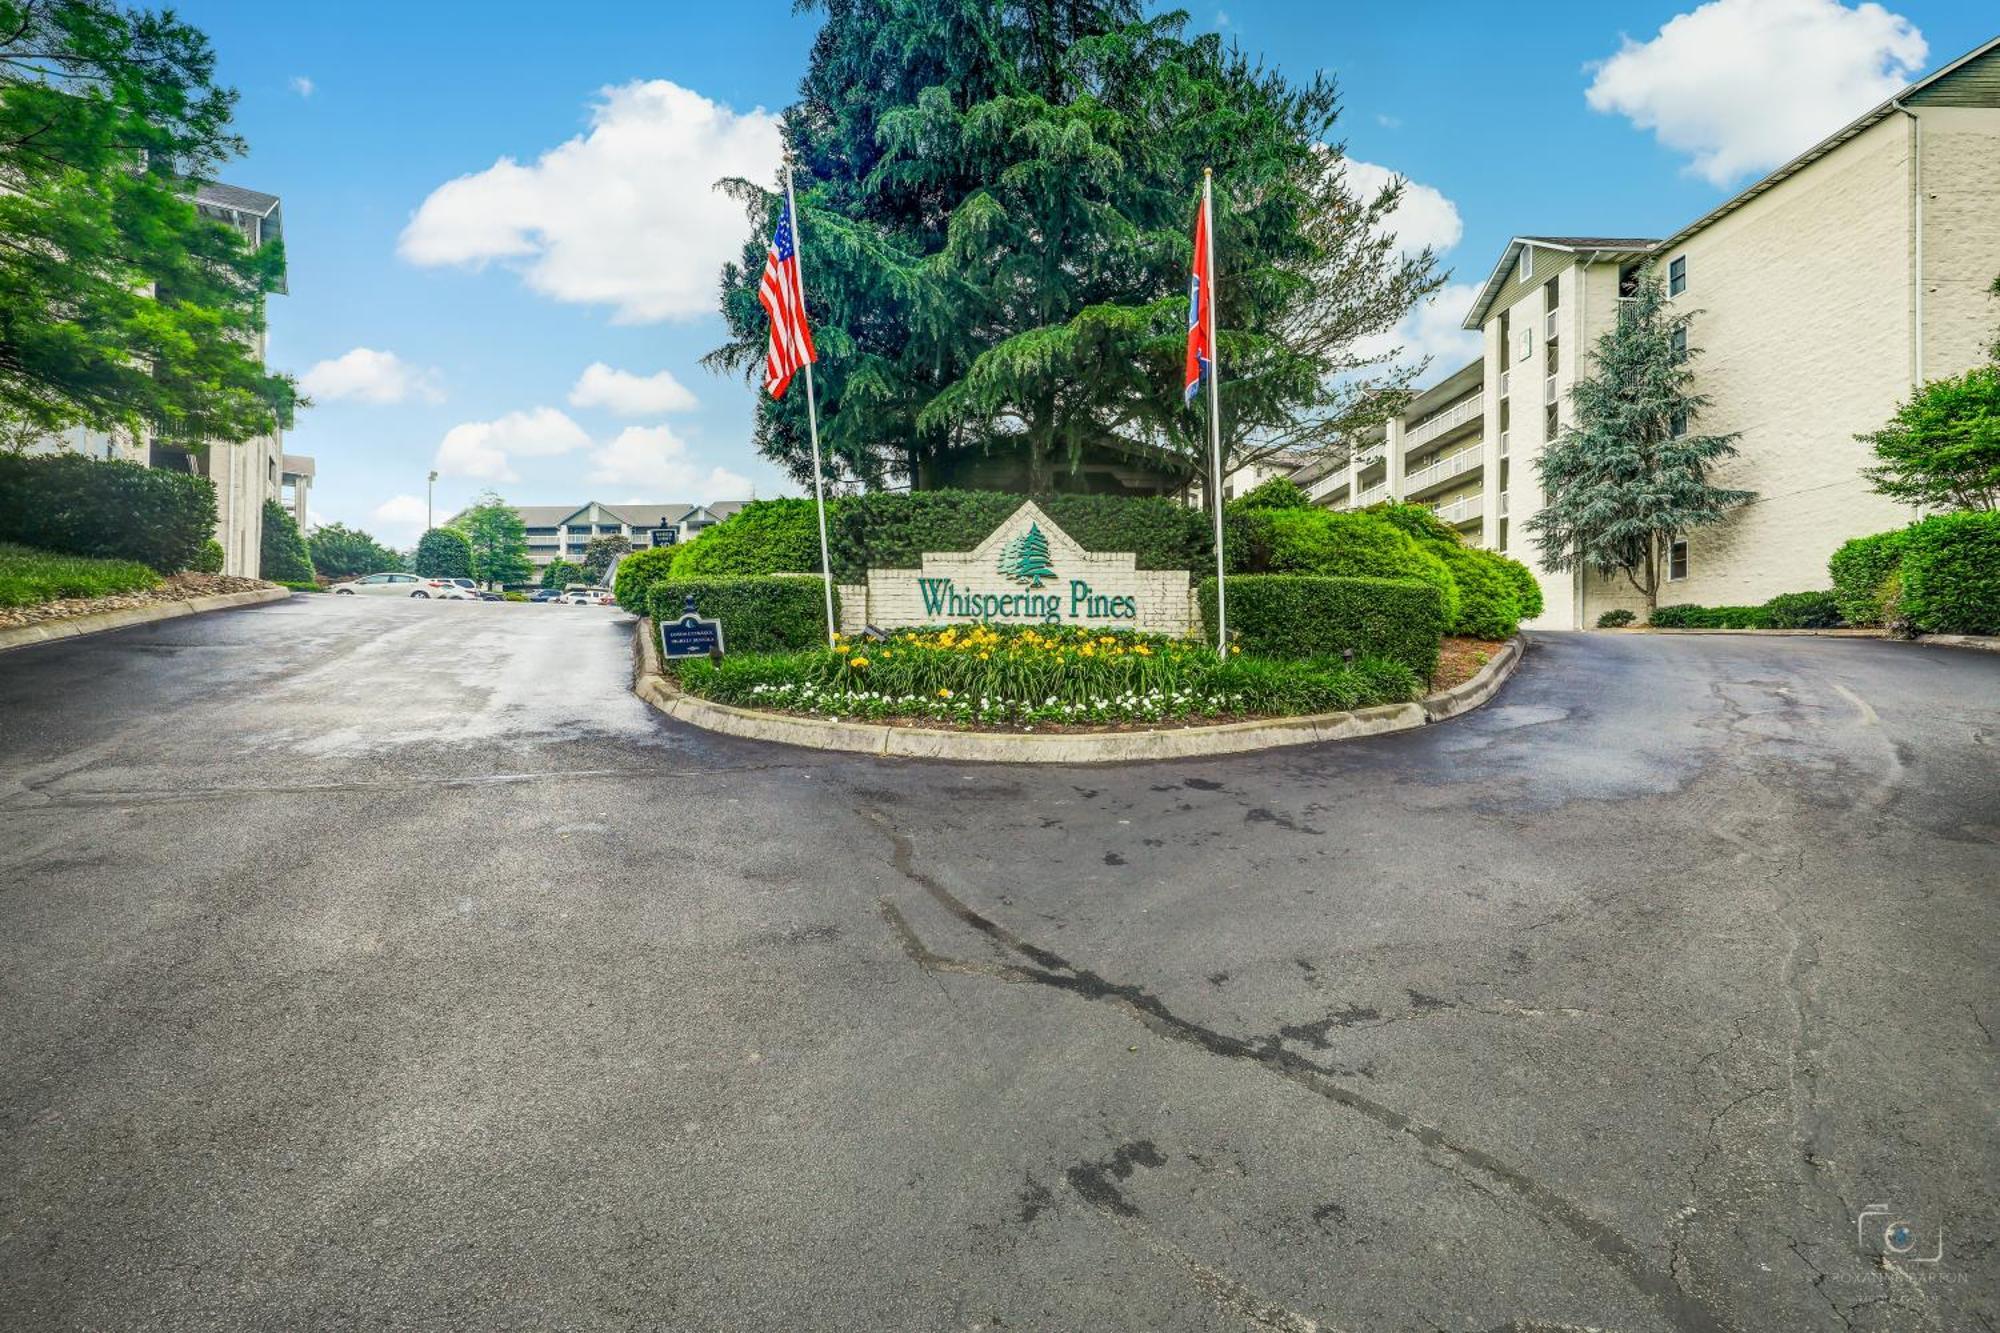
565,531
1826,292
247,473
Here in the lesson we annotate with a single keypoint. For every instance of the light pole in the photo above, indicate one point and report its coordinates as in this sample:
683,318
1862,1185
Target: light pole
430,485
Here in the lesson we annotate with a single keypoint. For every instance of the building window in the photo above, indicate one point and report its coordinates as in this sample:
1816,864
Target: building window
1677,276
1677,561
1527,262
1680,342
1677,423
1551,427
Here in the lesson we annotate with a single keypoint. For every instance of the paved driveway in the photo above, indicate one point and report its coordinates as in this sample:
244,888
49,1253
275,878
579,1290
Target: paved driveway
387,965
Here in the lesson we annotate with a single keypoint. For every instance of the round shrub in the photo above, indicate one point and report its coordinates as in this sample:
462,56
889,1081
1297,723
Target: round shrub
1419,521
1617,618
209,559
110,508
763,537
637,573
1527,588
1488,607
1277,493
1951,573
1859,569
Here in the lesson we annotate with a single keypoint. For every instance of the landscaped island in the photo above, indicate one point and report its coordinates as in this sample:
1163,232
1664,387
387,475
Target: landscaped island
1327,612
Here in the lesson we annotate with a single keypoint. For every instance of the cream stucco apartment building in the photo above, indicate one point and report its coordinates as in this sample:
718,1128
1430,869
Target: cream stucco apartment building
245,474
1826,292
565,531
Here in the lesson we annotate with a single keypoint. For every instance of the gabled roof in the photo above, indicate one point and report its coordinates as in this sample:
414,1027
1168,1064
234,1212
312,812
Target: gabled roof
1980,83
1582,245
636,513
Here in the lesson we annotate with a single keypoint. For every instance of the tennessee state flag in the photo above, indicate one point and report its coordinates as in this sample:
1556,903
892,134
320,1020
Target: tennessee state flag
1201,289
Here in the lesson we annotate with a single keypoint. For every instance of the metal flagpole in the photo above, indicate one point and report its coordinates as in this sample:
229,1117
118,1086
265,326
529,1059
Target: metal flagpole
1214,406
812,406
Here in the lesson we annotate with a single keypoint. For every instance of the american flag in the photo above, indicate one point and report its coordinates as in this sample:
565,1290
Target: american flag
784,299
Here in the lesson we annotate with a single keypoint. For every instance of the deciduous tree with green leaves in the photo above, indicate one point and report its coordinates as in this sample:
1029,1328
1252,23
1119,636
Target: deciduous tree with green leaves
121,307
602,553
499,541
1942,448
997,203
284,557
1631,475
561,573
341,552
443,553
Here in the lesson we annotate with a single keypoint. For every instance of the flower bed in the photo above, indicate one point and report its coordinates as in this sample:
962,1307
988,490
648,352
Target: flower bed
981,675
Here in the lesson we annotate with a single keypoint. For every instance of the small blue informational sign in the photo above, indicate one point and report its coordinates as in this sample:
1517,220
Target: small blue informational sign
691,635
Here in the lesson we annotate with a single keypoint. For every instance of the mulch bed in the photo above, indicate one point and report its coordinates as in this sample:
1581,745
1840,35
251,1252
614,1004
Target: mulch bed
1459,660
174,588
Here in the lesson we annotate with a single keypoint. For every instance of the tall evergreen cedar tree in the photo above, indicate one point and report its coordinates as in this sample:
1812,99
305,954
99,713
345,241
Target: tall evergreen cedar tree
1631,474
997,202
120,306
602,553
499,541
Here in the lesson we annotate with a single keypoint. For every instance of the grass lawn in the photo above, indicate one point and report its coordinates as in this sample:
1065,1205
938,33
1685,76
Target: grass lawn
29,577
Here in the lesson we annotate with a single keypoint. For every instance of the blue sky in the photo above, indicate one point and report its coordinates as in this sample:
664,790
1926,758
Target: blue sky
447,311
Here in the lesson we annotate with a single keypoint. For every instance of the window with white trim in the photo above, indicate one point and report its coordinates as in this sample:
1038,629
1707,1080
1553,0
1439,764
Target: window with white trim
1677,560
1527,262
1677,276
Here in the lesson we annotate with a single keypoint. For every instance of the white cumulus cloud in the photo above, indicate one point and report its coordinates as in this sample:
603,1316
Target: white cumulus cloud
623,216
630,395
485,449
655,460
1744,85
372,377
398,521
1423,216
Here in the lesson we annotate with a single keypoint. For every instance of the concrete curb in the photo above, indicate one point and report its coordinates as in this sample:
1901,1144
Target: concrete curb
1985,643
49,631
876,738
1761,633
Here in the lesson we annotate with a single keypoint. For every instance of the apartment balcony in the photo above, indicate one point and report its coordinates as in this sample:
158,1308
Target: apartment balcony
1438,424
1331,484
1459,512
1443,470
1373,495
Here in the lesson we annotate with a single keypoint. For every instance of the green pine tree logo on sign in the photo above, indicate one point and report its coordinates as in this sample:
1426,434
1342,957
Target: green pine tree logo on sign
1026,558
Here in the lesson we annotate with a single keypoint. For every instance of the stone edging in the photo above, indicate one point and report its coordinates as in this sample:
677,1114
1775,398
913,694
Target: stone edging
47,631
1985,643
1054,747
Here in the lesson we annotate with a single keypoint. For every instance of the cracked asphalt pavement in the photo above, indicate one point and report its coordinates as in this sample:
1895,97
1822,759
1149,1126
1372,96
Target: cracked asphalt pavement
388,965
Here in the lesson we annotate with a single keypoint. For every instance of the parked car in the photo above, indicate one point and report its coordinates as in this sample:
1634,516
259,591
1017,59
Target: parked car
487,595
545,595
584,594
385,585
449,591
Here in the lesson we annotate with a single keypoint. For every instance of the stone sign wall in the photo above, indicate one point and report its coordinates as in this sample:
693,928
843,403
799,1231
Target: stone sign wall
1027,572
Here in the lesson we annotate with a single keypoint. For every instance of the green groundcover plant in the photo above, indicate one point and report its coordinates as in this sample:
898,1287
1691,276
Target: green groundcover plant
29,577
1037,675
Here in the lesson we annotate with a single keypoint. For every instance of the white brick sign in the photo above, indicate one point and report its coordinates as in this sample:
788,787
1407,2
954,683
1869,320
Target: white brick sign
1028,571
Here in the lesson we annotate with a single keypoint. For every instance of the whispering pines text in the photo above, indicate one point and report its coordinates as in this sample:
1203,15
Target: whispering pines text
943,599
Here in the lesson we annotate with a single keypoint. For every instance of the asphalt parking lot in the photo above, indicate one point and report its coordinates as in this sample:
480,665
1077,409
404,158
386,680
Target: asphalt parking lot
379,964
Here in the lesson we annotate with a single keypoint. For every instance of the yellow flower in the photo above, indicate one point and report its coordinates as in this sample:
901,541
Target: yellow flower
985,657
1235,647
1142,650
857,661
944,694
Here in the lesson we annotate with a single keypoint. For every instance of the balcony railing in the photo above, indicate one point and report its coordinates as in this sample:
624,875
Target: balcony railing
1437,423
1373,495
1445,468
1327,485
1458,511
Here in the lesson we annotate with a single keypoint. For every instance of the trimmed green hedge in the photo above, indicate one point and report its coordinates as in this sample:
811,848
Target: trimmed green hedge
637,573
892,531
764,537
109,509
1334,544
1488,605
1527,588
1951,573
1289,615
765,613
210,559
1803,610
1686,615
1859,569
